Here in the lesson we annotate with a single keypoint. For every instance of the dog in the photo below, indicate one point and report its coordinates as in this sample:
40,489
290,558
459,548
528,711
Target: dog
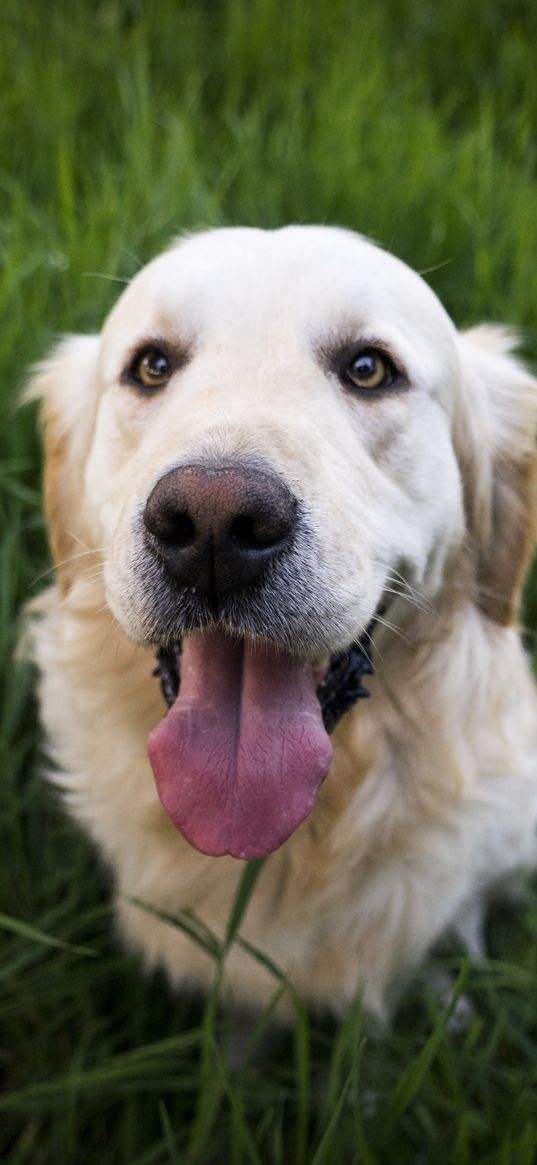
282,480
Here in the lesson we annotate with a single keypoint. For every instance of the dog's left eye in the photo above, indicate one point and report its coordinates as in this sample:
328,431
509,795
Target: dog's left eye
371,369
151,368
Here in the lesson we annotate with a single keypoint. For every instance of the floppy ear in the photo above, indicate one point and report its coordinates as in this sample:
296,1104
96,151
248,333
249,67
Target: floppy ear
494,433
65,385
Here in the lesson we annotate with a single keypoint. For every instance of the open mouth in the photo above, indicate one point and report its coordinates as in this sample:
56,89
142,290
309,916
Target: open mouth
244,749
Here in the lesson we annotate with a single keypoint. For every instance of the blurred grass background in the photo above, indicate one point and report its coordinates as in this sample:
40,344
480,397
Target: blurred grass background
124,122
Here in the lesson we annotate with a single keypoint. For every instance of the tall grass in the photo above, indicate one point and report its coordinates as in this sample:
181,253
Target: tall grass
124,122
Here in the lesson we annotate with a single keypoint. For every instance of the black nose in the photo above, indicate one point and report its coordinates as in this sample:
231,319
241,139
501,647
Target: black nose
218,528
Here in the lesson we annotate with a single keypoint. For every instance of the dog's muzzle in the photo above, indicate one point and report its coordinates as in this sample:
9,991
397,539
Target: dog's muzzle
244,749
217,529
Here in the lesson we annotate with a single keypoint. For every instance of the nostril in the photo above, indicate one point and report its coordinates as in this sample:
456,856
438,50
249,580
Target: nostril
181,532
172,528
256,532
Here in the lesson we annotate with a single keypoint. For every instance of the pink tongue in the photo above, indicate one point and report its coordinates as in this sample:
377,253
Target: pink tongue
240,757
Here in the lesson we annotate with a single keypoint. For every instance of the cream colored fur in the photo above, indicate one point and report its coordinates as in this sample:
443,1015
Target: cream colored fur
425,496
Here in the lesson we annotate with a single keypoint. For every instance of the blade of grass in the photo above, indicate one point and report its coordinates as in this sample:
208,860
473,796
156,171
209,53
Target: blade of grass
327,1143
168,1134
112,1077
242,1133
302,1049
26,930
411,1079
242,897
186,921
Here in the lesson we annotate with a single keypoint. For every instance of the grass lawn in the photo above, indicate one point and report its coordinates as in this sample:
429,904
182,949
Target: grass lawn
124,122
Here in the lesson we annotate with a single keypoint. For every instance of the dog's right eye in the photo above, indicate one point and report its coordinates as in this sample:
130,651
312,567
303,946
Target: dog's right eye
151,368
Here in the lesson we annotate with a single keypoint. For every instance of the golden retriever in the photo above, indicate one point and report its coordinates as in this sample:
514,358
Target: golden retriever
278,467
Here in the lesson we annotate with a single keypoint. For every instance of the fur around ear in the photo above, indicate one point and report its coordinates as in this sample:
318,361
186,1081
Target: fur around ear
63,384
494,434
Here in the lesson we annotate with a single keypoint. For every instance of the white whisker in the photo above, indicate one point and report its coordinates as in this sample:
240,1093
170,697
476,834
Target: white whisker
102,275
396,630
424,607
63,562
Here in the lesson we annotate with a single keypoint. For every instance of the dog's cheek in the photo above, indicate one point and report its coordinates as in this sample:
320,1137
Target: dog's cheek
110,473
424,467
116,478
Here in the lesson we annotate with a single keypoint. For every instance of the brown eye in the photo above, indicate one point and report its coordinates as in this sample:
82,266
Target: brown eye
371,369
151,369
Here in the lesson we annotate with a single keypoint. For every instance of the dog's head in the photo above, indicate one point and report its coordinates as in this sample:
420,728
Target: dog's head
274,432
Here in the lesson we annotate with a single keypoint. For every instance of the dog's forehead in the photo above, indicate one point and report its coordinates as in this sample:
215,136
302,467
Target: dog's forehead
307,277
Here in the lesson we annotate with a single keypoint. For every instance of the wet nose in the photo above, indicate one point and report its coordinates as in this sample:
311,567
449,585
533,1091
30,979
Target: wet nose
219,528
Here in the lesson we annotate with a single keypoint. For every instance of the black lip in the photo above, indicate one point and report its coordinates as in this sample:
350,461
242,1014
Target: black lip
168,670
338,691
342,684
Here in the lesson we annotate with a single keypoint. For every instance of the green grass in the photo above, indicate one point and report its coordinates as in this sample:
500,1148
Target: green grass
122,124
